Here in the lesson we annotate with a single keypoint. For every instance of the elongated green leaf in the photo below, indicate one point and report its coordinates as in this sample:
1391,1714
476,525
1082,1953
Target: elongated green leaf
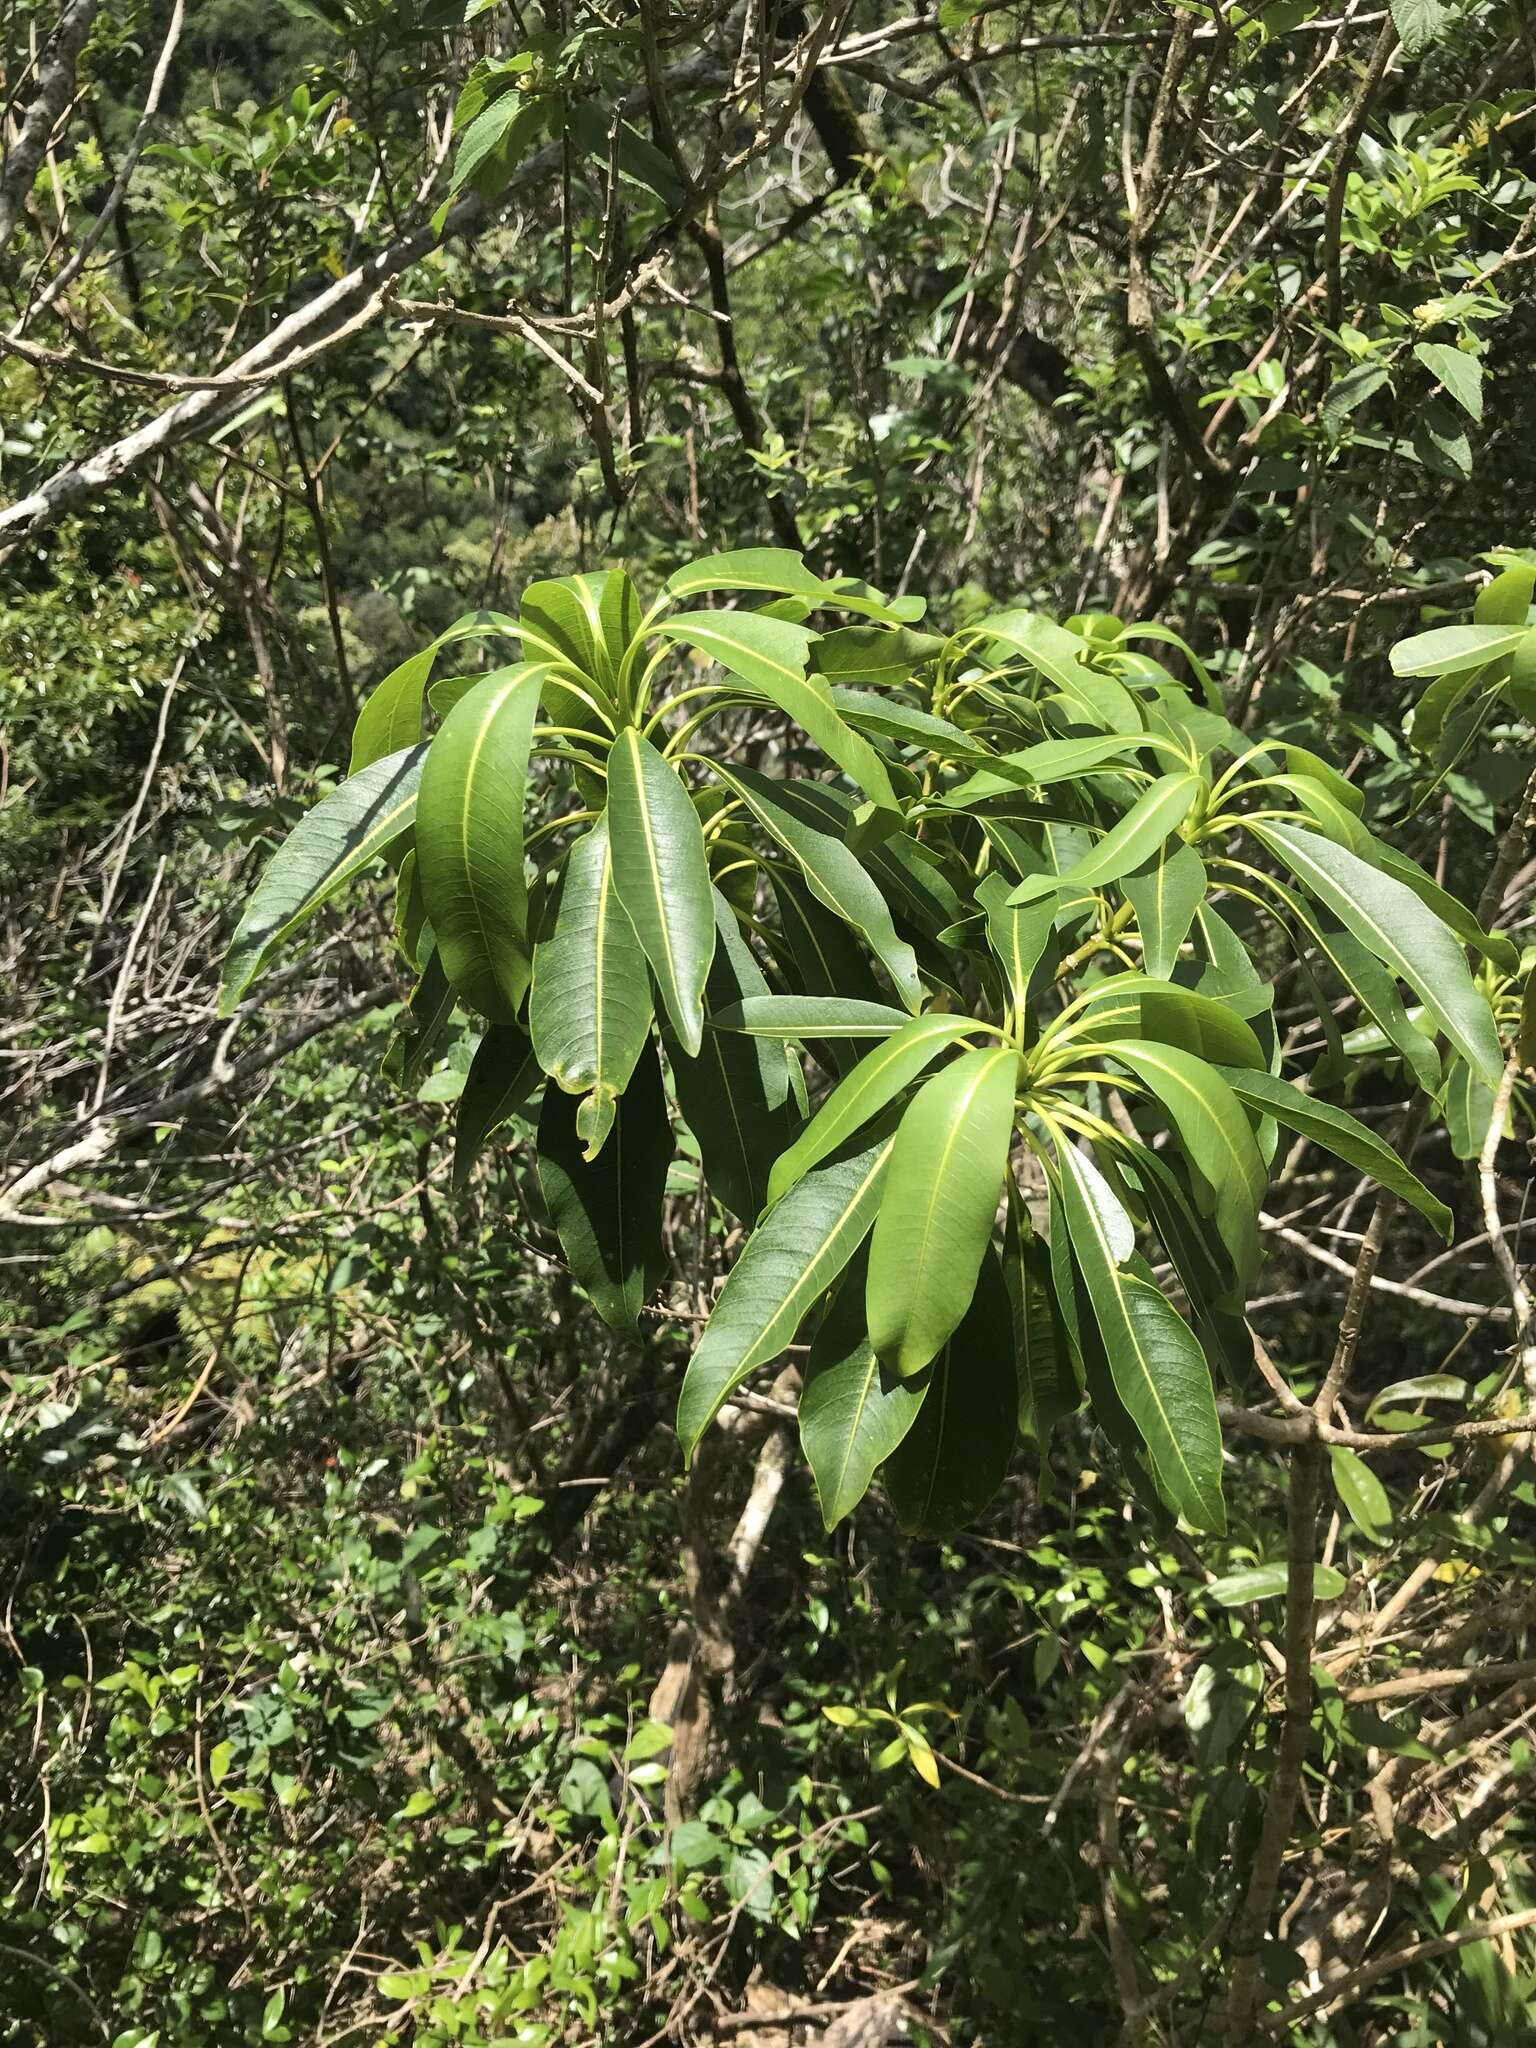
1018,933
1056,654
1049,762
1494,946
1268,1582
469,839
877,1080
769,656
1337,1132
1467,1101
1364,1497
583,623
1390,921
808,1017
590,1006
503,1077
1214,1136
1453,650
391,719
787,1264
853,1414
1155,1360
1049,1388
328,846
1148,824
879,656
781,571
735,1093
661,871
833,873
891,719
1165,894
940,1201
955,1455
1134,1006
607,1211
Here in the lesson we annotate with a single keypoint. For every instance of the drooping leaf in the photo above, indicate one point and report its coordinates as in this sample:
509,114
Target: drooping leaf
853,1413
590,1006
469,839
661,871
787,1264
783,573
821,957
832,872
940,1201
426,1018
607,1211
877,1080
328,846
1391,922
956,1453
503,1077
1165,895
1159,1370
1337,1132
735,1092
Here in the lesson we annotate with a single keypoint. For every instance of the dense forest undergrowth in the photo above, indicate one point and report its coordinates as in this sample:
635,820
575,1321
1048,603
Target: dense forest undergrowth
1076,693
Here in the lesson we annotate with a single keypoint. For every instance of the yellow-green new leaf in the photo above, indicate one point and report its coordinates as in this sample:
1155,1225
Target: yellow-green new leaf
469,839
661,871
328,846
939,1206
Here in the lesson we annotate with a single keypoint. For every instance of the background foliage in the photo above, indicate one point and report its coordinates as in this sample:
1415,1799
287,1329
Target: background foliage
373,1670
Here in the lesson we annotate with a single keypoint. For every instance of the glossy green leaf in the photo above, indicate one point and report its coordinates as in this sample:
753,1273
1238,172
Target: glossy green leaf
822,957
589,1009
782,572
735,1093
1056,654
391,718
1337,1132
879,656
1051,761
1155,1359
787,1264
661,871
891,719
1147,825
1459,372
1391,922
1214,1136
328,846
769,656
1364,1498
469,839
1018,933
607,1211
1269,1582
955,1455
809,1017
1455,650
940,1202
1134,1006
853,1413
1165,894
876,1081
503,1077
832,872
